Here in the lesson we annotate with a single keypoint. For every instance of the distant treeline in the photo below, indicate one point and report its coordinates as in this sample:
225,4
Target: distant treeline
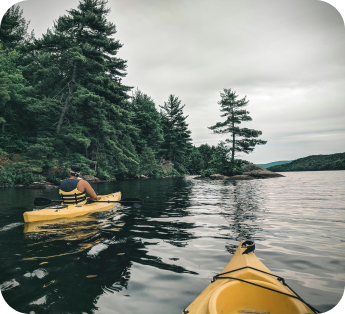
275,163
313,163
62,102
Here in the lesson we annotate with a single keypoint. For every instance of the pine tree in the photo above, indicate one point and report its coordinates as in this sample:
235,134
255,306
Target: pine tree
242,139
177,136
13,29
14,99
206,152
195,162
147,120
148,164
85,106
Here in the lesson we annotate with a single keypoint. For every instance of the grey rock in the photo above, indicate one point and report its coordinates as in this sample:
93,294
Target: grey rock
217,177
90,178
259,172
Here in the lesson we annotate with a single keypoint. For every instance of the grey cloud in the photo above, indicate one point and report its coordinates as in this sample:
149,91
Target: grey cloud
287,56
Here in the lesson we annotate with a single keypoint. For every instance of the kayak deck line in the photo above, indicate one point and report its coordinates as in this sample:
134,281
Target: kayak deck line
56,212
253,289
252,312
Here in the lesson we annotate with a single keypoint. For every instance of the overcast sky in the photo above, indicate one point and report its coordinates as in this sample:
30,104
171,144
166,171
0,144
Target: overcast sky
286,56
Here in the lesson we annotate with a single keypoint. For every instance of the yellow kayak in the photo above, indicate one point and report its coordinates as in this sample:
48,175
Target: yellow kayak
247,286
68,211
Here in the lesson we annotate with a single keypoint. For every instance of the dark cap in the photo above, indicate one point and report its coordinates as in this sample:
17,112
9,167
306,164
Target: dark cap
75,168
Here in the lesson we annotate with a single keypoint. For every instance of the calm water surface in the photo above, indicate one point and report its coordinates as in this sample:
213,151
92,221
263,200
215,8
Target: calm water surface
158,258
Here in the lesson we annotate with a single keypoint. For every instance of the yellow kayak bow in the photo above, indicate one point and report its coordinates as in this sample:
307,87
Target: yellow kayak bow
247,286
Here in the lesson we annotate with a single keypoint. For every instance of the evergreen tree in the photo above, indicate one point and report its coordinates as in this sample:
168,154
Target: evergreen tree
147,120
242,139
177,139
13,29
206,152
196,162
148,164
84,104
14,101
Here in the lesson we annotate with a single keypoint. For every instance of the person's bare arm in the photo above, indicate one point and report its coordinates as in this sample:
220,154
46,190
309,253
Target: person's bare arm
85,186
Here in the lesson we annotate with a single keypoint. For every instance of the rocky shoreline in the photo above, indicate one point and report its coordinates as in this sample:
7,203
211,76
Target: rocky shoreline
251,172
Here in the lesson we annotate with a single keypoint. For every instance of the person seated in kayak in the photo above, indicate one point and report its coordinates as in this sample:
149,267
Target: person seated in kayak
73,190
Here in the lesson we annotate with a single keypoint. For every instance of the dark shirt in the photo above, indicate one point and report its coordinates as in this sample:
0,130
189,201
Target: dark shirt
69,185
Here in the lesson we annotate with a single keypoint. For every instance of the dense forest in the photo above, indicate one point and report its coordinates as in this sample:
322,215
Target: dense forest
313,163
62,102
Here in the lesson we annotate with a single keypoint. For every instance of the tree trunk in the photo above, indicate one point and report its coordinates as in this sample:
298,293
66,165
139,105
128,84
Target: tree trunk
233,148
233,139
67,103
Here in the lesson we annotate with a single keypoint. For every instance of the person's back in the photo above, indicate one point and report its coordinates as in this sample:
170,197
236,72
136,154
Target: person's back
73,190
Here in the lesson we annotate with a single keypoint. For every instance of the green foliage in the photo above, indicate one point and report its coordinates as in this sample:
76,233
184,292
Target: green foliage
62,102
87,165
13,30
220,159
208,172
313,163
177,137
221,163
242,139
102,174
196,161
148,163
164,173
147,120
131,162
12,177
57,177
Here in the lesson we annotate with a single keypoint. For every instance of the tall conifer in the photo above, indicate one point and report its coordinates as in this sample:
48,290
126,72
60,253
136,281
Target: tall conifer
13,29
76,69
147,120
242,139
177,136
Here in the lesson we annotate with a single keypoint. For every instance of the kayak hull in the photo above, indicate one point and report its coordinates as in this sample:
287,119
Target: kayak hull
72,210
232,296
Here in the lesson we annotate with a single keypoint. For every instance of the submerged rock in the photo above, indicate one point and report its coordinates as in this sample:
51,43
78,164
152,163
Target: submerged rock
240,177
217,177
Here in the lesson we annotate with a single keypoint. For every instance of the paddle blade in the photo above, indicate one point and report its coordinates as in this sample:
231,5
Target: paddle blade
41,201
135,202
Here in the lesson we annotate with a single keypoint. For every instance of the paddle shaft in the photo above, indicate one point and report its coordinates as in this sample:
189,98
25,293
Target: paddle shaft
44,201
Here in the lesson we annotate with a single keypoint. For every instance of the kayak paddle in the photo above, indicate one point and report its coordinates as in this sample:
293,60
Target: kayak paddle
136,202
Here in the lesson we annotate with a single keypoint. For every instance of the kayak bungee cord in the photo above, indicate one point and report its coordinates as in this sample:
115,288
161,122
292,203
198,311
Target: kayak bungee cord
250,247
282,280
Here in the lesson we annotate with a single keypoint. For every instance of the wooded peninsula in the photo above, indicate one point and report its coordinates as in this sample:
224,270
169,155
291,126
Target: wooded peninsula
62,102
313,163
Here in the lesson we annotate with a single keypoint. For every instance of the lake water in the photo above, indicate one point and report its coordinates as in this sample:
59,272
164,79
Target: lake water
158,258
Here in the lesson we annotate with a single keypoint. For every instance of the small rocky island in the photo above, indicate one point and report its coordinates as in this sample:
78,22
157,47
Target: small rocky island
251,172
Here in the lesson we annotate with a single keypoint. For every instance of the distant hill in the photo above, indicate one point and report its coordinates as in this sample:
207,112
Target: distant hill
313,163
275,163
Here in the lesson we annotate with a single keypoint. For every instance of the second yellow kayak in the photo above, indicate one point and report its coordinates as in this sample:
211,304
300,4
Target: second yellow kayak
247,286
68,211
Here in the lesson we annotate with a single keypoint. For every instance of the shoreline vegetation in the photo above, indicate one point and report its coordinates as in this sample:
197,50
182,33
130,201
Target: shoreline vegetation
62,102
313,163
